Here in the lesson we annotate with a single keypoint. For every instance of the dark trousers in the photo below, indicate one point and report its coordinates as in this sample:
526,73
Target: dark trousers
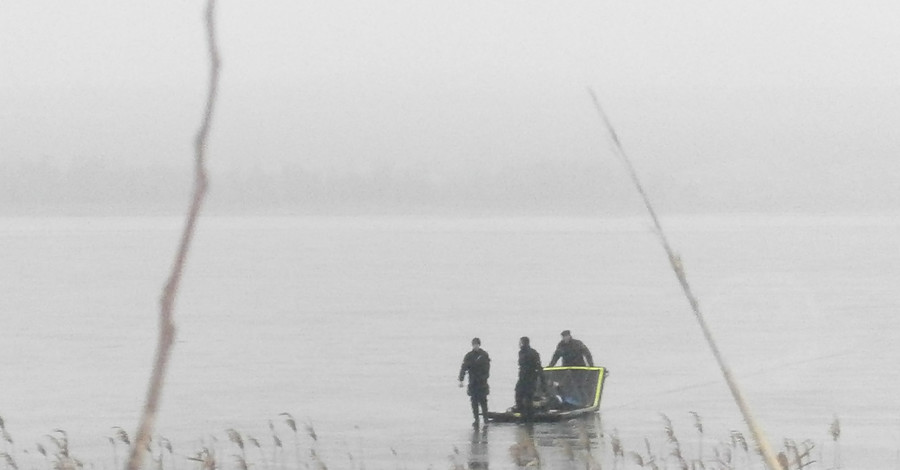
525,399
479,401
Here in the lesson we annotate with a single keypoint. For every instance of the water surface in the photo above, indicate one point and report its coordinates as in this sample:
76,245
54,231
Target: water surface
357,326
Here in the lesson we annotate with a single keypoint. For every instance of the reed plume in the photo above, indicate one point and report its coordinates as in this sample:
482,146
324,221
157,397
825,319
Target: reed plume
289,420
618,451
206,457
835,431
9,461
698,425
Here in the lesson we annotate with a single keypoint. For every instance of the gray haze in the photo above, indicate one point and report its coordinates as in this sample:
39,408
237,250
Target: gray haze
427,106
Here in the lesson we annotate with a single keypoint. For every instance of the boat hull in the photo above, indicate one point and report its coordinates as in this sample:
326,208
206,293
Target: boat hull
568,393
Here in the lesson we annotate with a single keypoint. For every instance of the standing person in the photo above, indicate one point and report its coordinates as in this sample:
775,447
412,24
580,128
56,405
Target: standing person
530,373
572,352
478,364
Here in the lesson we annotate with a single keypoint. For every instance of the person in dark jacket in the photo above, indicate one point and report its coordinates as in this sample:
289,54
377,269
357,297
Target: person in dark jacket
572,352
530,375
478,364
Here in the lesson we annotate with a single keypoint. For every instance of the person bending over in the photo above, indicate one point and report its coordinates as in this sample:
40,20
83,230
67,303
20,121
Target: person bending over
572,351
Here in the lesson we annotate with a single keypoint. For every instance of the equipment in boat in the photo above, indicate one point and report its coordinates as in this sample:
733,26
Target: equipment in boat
567,392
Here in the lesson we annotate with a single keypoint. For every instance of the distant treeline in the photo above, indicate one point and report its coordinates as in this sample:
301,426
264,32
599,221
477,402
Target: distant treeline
546,187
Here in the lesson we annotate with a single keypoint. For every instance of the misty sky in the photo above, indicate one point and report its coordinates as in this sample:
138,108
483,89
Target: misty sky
719,93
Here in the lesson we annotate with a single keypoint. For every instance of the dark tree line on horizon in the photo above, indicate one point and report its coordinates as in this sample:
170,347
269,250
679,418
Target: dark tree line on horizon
563,187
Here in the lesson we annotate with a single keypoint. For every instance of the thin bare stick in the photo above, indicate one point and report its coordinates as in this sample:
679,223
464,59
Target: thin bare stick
167,300
675,261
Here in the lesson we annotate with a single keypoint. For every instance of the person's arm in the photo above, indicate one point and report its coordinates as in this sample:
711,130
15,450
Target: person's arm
462,369
587,355
556,355
539,368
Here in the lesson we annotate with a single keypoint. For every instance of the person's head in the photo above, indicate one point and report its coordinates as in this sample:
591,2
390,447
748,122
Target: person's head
524,342
476,344
566,336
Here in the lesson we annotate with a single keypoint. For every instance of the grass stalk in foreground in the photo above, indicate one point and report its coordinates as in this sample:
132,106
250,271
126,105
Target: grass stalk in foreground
579,443
678,268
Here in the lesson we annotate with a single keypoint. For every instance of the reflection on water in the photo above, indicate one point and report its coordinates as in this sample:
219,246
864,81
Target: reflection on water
570,444
576,443
478,449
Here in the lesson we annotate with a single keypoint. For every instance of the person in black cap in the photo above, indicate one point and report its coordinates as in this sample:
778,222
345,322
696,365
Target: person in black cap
530,374
572,352
478,364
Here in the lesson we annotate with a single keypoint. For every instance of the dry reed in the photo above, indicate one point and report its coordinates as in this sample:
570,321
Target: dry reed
577,444
678,268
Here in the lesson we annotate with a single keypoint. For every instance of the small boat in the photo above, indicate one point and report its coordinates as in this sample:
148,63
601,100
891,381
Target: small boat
567,392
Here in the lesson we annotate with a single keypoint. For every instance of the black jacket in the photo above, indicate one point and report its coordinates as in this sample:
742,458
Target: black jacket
572,353
478,365
530,368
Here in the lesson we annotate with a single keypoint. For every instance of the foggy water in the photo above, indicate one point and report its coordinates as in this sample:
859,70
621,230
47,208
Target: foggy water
358,326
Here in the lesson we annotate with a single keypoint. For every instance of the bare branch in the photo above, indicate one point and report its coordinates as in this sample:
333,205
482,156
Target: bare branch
167,301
